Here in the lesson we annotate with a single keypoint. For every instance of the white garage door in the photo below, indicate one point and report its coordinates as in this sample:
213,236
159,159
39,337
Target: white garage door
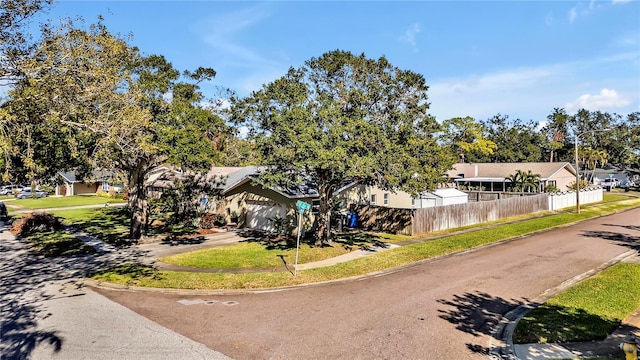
258,215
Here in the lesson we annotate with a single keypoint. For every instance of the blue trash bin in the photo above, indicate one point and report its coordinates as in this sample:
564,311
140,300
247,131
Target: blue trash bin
354,220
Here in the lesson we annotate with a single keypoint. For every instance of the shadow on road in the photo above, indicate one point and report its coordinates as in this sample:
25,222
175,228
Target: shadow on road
26,287
621,239
477,314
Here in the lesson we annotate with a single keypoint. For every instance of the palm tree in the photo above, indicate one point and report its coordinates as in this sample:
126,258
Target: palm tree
515,180
603,157
530,180
521,181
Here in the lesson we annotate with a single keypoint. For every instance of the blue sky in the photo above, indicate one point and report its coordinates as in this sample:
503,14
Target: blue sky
480,58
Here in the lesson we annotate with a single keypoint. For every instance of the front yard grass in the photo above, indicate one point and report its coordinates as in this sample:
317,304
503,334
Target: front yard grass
56,202
252,255
588,311
58,243
376,262
110,224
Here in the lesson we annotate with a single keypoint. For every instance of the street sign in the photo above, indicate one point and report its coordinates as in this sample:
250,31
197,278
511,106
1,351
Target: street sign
302,206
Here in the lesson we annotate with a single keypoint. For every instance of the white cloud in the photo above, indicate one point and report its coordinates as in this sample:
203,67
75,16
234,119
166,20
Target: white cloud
548,20
409,35
621,1
573,14
506,80
220,33
532,93
582,10
606,99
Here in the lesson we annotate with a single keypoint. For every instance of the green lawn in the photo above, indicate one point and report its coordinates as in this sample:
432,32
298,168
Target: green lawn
58,243
252,255
380,261
588,311
110,224
56,202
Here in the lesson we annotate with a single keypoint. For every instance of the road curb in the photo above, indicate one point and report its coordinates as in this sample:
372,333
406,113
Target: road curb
505,328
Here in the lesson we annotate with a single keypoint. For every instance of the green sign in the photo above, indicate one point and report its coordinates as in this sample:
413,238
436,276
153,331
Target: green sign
302,206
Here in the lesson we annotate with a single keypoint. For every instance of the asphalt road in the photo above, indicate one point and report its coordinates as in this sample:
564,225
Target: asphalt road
442,309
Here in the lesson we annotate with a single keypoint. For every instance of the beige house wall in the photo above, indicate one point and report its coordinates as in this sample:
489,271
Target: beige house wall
363,195
67,189
563,178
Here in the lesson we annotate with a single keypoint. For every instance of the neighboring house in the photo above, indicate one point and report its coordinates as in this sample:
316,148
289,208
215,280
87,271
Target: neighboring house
493,176
71,184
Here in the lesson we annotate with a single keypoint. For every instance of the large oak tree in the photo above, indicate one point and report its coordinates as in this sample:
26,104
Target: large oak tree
343,117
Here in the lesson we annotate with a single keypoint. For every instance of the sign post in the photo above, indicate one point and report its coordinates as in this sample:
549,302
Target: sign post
302,206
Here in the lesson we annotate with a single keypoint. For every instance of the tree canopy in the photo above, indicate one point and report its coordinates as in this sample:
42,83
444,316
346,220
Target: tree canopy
343,117
105,105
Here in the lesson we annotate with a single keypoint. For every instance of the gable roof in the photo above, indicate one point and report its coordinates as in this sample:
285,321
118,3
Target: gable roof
96,176
249,173
546,170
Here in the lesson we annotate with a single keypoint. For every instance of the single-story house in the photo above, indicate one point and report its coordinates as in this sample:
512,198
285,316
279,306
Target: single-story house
71,184
493,176
256,206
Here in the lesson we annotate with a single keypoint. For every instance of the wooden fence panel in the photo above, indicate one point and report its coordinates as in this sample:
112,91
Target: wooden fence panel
446,217
382,218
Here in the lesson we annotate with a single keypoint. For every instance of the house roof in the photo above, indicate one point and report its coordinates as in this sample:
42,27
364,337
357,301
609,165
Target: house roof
503,170
96,175
249,173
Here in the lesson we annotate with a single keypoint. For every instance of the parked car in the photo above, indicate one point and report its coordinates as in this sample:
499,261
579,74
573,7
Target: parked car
626,184
10,189
610,183
27,193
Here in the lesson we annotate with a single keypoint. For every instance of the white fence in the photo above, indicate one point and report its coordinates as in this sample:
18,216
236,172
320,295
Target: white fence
562,200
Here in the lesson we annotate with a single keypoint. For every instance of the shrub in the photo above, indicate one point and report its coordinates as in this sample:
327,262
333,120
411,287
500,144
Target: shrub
103,194
209,221
34,223
220,220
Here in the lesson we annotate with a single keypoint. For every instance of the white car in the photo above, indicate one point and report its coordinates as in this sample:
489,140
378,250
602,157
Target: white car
10,189
610,183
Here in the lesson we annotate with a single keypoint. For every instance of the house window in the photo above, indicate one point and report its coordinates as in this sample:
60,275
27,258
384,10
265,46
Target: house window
385,199
315,206
105,186
413,202
372,199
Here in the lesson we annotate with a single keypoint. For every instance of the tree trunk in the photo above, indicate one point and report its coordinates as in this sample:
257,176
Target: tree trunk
137,202
324,215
